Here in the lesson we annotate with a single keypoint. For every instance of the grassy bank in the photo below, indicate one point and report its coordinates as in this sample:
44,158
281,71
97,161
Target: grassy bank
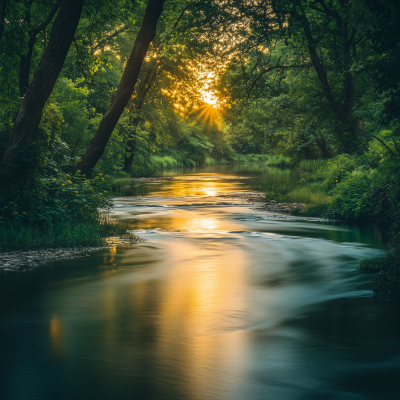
177,160
60,234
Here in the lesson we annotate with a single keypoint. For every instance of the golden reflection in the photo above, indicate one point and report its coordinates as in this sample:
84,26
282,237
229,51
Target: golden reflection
203,297
113,249
203,223
56,337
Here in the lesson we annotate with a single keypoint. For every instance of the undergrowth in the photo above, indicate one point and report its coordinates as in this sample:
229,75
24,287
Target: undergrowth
59,234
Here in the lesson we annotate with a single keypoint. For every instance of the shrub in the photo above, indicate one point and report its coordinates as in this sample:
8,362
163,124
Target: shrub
62,198
371,265
349,199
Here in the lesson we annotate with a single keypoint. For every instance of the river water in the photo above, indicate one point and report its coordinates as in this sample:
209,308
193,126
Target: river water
220,302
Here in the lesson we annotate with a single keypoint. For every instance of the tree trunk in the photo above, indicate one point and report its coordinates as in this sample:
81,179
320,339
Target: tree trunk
323,147
3,6
24,69
25,60
125,88
131,146
146,85
44,78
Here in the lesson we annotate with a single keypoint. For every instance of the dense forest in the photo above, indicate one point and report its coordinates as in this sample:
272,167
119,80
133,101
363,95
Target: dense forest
93,92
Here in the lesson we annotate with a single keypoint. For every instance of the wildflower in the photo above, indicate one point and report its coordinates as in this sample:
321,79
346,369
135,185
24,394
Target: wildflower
68,175
24,212
69,182
102,178
78,171
86,205
14,212
101,194
76,191
63,184
337,181
101,174
1,218
107,176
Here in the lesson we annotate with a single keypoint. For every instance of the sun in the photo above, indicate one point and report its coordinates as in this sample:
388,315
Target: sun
210,99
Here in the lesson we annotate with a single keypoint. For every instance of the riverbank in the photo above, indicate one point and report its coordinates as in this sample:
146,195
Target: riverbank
258,199
29,259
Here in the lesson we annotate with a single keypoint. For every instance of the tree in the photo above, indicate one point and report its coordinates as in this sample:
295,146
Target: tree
25,59
28,118
126,87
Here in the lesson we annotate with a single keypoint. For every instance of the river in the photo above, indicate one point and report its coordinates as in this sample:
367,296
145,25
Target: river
220,302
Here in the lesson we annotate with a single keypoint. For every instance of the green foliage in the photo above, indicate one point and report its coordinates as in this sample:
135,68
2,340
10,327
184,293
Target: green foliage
280,161
337,169
387,282
349,199
371,265
312,165
61,233
64,197
293,192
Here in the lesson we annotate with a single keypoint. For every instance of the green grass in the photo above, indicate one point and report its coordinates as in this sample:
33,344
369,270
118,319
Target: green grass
311,165
292,192
280,162
311,194
371,265
174,160
60,234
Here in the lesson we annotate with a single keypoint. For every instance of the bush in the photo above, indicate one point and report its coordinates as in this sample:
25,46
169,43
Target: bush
371,265
349,199
387,282
312,165
62,198
62,233
280,161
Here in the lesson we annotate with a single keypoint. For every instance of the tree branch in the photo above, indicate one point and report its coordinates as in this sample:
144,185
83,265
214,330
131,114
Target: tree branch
106,39
43,25
379,140
272,68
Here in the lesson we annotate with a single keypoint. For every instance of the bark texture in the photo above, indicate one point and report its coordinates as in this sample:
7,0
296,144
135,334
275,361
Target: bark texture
44,78
126,87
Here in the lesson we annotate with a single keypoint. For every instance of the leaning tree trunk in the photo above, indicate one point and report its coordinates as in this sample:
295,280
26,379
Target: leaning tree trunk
43,81
25,60
125,88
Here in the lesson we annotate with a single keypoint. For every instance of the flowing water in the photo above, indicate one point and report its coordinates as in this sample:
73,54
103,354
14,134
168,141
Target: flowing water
219,302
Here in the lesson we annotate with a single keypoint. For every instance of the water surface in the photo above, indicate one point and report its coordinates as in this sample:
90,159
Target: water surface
219,302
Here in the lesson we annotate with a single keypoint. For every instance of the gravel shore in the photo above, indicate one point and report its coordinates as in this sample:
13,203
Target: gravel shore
26,260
